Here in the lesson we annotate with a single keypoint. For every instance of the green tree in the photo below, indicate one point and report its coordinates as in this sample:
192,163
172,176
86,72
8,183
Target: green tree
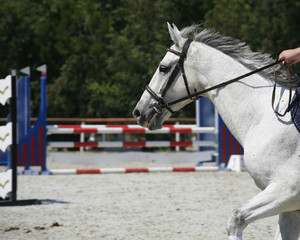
133,53
74,36
101,54
16,34
267,26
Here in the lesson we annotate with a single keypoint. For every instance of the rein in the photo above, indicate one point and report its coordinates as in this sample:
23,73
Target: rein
158,107
290,106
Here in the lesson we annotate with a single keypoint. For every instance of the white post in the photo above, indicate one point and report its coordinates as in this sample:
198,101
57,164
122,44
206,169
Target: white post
81,149
217,134
197,113
177,139
197,119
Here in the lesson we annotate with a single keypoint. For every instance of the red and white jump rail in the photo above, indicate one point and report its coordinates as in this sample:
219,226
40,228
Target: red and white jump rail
121,129
134,170
116,144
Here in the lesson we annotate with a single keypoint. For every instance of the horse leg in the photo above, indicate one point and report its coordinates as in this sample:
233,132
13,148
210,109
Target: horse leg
288,226
275,199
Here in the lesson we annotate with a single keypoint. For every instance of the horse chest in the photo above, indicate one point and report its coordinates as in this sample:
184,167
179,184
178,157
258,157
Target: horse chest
260,171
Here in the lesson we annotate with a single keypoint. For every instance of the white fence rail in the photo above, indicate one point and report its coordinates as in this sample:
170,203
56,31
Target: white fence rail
129,129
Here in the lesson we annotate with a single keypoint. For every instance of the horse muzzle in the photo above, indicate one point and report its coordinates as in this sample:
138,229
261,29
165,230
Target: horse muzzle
143,117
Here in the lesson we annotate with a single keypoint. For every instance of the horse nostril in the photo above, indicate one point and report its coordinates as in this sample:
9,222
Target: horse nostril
136,113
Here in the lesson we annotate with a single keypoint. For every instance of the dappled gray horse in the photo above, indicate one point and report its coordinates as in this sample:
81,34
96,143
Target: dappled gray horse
272,145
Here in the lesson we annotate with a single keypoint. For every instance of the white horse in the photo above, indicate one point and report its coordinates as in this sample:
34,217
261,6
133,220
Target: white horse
271,144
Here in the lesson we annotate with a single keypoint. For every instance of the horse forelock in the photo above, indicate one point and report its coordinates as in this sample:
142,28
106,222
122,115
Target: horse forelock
238,50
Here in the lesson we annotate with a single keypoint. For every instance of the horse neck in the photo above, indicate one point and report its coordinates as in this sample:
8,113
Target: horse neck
241,104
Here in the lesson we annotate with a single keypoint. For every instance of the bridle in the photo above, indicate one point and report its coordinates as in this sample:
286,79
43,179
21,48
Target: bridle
160,103
178,67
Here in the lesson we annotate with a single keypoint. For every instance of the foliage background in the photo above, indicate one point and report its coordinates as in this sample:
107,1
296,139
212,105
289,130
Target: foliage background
100,54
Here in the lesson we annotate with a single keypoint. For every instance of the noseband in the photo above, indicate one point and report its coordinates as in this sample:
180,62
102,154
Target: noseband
161,104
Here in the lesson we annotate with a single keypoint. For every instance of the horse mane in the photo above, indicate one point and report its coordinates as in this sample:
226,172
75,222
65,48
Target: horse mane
240,51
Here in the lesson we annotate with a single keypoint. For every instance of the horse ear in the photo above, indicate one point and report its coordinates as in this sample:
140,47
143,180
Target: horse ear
175,35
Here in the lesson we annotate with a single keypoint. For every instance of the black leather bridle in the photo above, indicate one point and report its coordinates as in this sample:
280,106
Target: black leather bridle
160,102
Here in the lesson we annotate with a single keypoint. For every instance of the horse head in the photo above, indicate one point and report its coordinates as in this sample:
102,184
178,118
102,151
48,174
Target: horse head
168,84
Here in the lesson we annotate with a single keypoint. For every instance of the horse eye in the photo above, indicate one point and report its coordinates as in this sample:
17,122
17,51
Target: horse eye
163,68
